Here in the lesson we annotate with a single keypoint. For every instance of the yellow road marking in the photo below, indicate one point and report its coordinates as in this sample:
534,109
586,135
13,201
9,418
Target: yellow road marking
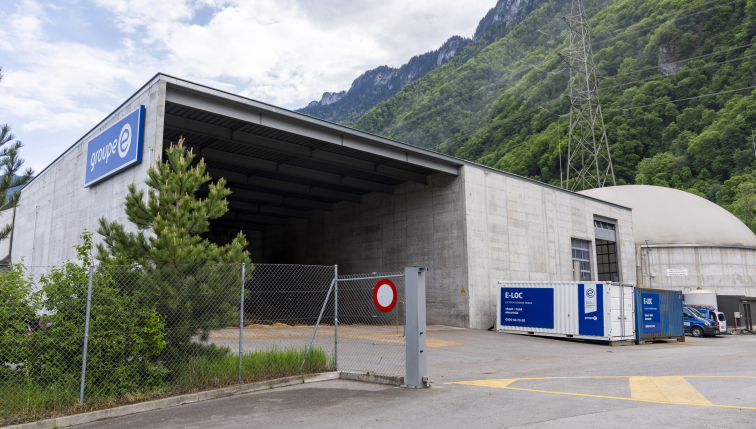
490,383
666,390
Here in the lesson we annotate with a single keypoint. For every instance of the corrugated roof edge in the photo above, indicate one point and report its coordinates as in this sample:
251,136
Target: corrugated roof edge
317,122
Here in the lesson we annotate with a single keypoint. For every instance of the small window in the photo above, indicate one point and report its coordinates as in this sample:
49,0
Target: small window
687,313
603,225
581,259
721,317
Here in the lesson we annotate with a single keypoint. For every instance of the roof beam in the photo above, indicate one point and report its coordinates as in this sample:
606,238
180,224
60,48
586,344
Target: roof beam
265,209
291,170
278,146
278,199
280,185
262,219
242,225
241,205
284,211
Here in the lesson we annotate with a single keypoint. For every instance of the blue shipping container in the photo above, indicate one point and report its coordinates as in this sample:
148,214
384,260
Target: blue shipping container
658,314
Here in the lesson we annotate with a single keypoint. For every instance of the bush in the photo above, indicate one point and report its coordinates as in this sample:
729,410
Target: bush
126,336
18,308
191,300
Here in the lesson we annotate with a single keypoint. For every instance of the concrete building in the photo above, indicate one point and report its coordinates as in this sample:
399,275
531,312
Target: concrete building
684,242
312,192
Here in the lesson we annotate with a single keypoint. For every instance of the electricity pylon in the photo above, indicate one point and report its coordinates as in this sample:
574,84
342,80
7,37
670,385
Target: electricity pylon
589,164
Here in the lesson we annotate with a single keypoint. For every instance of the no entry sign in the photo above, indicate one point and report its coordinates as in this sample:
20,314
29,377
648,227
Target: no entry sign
384,295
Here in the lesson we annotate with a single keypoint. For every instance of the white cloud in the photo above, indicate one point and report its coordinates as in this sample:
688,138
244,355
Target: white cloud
284,52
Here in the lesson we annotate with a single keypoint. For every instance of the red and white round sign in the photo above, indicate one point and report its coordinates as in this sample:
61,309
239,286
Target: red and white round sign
384,295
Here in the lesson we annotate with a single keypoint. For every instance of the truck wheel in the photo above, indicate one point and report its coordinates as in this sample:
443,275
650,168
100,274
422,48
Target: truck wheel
696,331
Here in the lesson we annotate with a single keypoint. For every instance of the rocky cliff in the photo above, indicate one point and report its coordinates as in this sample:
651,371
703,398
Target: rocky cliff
380,84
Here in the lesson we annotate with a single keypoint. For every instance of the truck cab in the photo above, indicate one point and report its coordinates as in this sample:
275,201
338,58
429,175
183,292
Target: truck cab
716,316
698,325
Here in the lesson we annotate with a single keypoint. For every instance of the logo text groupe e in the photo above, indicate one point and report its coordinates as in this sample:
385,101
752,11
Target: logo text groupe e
120,145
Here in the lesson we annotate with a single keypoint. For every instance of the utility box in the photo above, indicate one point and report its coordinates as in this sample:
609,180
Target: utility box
593,311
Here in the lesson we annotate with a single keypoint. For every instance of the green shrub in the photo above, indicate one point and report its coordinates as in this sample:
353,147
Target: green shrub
126,336
18,306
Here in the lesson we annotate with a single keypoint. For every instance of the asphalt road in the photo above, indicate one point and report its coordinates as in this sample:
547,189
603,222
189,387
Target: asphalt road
495,380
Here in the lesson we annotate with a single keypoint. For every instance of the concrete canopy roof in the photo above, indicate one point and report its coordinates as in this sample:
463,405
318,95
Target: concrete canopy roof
670,216
281,163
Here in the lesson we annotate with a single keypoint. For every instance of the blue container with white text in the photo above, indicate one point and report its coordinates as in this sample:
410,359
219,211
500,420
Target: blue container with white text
660,314
594,311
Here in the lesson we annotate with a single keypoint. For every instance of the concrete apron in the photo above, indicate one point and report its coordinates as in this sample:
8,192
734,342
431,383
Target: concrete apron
174,401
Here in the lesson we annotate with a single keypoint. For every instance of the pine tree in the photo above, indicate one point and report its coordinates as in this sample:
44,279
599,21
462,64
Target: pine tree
171,219
193,284
10,165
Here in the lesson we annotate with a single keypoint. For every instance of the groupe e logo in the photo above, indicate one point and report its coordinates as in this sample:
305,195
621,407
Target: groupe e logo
124,141
590,292
122,144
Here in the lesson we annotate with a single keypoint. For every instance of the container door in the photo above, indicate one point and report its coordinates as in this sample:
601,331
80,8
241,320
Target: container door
616,306
628,312
621,311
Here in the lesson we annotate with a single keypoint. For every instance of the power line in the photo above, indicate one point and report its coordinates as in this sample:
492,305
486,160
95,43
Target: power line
670,14
682,99
681,71
503,121
534,66
679,61
460,97
555,20
530,140
665,22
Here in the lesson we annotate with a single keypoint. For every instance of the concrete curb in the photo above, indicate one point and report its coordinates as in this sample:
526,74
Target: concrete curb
372,378
173,401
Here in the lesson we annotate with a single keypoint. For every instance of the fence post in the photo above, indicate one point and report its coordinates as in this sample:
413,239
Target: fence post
86,337
414,282
330,288
336,317
241,322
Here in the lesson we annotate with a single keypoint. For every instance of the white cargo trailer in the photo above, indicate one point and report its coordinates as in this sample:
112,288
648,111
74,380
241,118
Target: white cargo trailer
586,310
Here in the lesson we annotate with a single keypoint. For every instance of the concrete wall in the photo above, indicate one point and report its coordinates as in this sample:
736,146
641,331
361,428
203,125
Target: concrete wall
518,230
56,207
725,270
418,225
470,231
6,218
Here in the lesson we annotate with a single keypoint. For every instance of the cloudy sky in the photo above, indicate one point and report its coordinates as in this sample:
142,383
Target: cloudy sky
68,63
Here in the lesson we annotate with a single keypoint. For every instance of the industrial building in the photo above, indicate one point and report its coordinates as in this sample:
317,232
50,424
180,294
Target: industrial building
685,242
307,191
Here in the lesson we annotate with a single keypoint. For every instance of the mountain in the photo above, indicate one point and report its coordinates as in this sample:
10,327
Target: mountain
677,95
383,82
505,12
379,84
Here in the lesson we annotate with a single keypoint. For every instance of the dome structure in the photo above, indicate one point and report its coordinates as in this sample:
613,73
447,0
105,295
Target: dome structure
670,216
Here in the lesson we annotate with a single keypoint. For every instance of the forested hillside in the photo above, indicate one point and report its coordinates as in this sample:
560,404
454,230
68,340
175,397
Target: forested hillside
677,95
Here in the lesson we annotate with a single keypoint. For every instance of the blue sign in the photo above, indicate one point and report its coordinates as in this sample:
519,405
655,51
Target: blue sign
115,149
527,307
591,309
651,312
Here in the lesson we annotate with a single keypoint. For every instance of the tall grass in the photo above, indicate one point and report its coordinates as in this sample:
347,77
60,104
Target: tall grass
23,400
268,364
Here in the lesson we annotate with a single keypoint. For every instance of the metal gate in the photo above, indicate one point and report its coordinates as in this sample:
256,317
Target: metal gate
367,339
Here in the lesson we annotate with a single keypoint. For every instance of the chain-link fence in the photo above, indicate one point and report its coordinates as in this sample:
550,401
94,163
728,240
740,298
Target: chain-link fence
76,338
370,340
